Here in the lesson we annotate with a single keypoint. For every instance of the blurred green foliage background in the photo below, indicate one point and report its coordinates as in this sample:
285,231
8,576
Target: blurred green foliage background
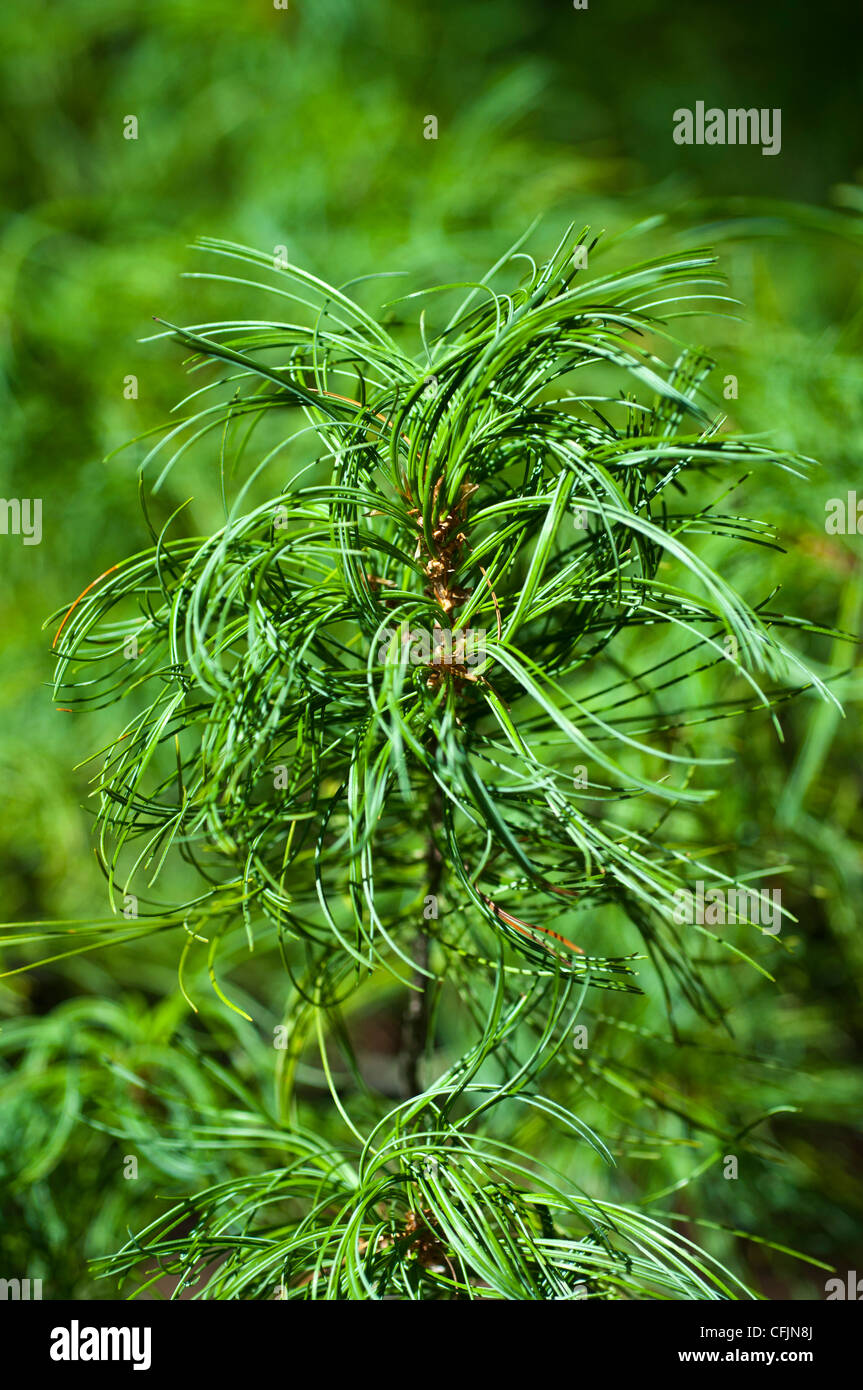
304,128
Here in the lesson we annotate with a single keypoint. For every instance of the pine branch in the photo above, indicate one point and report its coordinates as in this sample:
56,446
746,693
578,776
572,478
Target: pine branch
290,735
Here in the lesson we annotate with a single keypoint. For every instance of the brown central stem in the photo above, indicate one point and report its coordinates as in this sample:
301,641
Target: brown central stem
441,562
